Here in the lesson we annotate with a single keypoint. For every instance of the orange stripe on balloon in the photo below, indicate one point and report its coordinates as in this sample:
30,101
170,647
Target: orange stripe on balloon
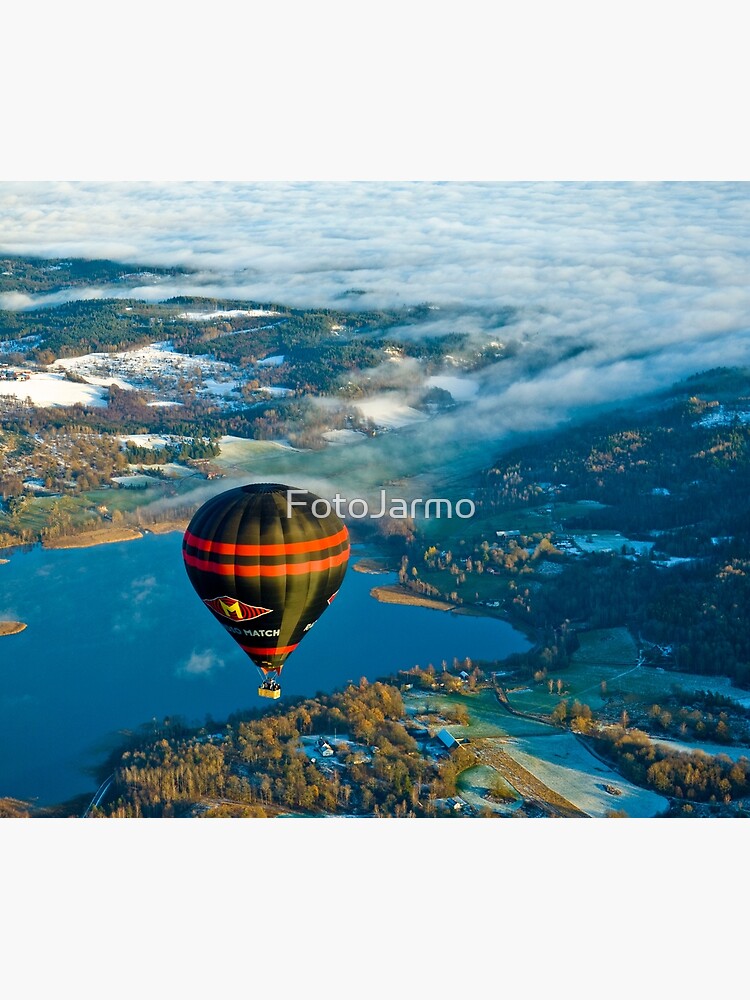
284,569
280,549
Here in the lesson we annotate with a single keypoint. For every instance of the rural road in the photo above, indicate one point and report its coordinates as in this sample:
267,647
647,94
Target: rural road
100,793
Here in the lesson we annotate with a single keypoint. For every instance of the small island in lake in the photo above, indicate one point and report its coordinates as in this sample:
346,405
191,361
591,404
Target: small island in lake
375,566
395,594
11,628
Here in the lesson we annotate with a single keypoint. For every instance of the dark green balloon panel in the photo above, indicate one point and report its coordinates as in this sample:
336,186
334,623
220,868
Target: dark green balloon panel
265,570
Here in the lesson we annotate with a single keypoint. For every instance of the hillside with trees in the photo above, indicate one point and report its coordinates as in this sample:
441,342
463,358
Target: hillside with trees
674,476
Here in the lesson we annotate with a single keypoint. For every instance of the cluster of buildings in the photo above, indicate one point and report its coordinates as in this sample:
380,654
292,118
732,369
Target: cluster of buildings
8,374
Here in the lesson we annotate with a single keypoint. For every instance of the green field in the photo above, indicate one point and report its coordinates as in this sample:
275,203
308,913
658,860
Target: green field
608,655
487,718
354,470
609,541
544,516
81,507
487,586
482,527
611,655
241,455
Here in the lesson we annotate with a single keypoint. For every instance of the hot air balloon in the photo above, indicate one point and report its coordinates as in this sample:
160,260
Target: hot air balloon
266,569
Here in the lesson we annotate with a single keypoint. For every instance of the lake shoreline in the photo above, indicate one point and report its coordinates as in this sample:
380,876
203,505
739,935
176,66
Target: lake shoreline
164,527
135,609
109,536
87,539
369,565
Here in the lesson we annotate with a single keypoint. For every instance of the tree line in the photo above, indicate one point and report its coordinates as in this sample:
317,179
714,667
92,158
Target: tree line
255,766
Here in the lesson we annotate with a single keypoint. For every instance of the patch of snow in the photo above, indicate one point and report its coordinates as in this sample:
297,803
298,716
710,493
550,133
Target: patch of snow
145,440
213,388
22,344
53,389
276,390
154,367
712,749
389,410
343,436
721,417
674,560
569,769
275,360
97,380
201,317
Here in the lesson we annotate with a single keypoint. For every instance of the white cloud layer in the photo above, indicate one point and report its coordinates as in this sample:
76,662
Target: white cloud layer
617,289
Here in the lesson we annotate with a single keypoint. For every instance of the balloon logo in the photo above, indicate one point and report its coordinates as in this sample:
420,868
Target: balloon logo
265,570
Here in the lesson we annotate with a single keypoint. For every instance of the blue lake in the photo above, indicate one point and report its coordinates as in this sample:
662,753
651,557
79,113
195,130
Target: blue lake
116,637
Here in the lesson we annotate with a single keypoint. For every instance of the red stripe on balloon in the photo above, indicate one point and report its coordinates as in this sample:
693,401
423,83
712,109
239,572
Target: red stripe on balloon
284,569
269,650
280,549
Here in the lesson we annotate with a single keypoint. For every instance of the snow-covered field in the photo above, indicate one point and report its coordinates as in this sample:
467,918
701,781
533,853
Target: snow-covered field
140,367
568,768
388,409
344,436
213,388
475,781
158,364
24,344
53,389
226,314
143,363
97,380
712,749
151,441
276,390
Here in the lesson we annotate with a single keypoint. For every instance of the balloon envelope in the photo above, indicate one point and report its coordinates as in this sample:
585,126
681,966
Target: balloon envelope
266,570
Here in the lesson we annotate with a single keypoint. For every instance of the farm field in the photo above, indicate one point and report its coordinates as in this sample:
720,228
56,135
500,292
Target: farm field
475,782
567,767
609,541
483,526
486,717
555,758
242,454
611,655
